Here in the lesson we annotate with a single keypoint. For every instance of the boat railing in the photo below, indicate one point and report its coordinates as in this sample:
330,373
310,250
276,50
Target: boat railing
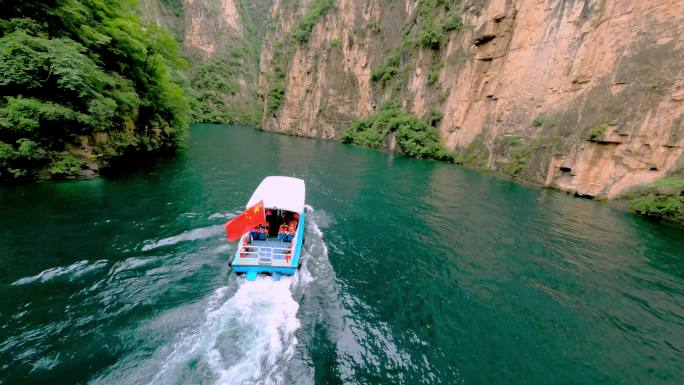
264,254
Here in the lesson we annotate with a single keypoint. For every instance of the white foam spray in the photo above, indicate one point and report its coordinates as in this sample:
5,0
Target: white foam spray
245,334
190,235
244,339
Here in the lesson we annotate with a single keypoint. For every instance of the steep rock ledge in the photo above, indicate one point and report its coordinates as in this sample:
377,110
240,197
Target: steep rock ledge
583,95
221,41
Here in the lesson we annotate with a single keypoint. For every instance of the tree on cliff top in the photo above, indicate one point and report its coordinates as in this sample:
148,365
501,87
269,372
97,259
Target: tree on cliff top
70,68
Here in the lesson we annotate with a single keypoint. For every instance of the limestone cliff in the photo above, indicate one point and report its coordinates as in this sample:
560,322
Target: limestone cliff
581,95
221,43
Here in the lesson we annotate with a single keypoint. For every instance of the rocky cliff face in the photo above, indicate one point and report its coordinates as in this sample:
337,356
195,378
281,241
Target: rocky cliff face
581,95
221,41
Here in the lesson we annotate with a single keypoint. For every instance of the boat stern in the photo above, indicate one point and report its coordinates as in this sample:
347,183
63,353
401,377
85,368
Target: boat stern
270,256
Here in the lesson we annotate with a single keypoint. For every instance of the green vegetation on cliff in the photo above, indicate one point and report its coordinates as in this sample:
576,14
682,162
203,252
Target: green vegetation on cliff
72,70
282,51
210,81
223,64
259,12
597,132
427,28
517,156
302,31
217,93
414,137
278,78
387,70
661,199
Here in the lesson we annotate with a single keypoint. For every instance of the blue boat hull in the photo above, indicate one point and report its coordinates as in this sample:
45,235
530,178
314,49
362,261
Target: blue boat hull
251,272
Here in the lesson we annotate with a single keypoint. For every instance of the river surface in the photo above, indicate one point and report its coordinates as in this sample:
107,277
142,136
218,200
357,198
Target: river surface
414,272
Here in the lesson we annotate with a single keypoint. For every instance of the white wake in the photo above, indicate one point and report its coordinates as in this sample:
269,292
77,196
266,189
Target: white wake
244,336
243,339
243,333
190,235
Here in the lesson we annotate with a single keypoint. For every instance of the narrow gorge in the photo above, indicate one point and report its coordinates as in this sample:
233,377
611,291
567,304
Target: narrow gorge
316,192
582,96
220,40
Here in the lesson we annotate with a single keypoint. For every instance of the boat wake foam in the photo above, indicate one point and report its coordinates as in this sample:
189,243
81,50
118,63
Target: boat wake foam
244,339
190,235
242,333
224,215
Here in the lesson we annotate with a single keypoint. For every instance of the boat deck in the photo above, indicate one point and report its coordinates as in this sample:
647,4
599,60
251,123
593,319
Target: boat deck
271,242
271,252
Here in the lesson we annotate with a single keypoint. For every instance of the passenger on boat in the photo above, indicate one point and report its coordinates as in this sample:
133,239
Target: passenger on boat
283,234
263,232
259,233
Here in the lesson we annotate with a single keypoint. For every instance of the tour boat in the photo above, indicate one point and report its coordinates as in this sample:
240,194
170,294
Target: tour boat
273,246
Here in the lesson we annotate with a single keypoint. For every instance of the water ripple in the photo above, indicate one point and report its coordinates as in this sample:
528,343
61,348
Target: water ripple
71,272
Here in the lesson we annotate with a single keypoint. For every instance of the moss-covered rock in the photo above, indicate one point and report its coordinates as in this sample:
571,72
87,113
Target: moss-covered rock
662,199
414,137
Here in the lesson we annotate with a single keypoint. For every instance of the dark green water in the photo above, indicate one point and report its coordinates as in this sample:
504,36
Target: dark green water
415,272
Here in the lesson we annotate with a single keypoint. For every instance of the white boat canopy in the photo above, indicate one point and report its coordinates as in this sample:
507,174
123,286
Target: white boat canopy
280,192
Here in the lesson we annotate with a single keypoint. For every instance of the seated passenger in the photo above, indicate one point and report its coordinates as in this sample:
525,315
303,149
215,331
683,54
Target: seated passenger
282,232
263,233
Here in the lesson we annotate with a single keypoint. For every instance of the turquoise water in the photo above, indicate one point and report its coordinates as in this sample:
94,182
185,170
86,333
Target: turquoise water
415,272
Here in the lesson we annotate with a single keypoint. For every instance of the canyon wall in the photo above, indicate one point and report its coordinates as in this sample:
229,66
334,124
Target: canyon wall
582,95
221,42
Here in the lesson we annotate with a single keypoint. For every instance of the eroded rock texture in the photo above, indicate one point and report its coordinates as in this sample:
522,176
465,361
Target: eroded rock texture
221,41
581,95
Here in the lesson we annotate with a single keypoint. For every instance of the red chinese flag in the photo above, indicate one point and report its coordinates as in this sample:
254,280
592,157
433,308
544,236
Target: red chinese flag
249,219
